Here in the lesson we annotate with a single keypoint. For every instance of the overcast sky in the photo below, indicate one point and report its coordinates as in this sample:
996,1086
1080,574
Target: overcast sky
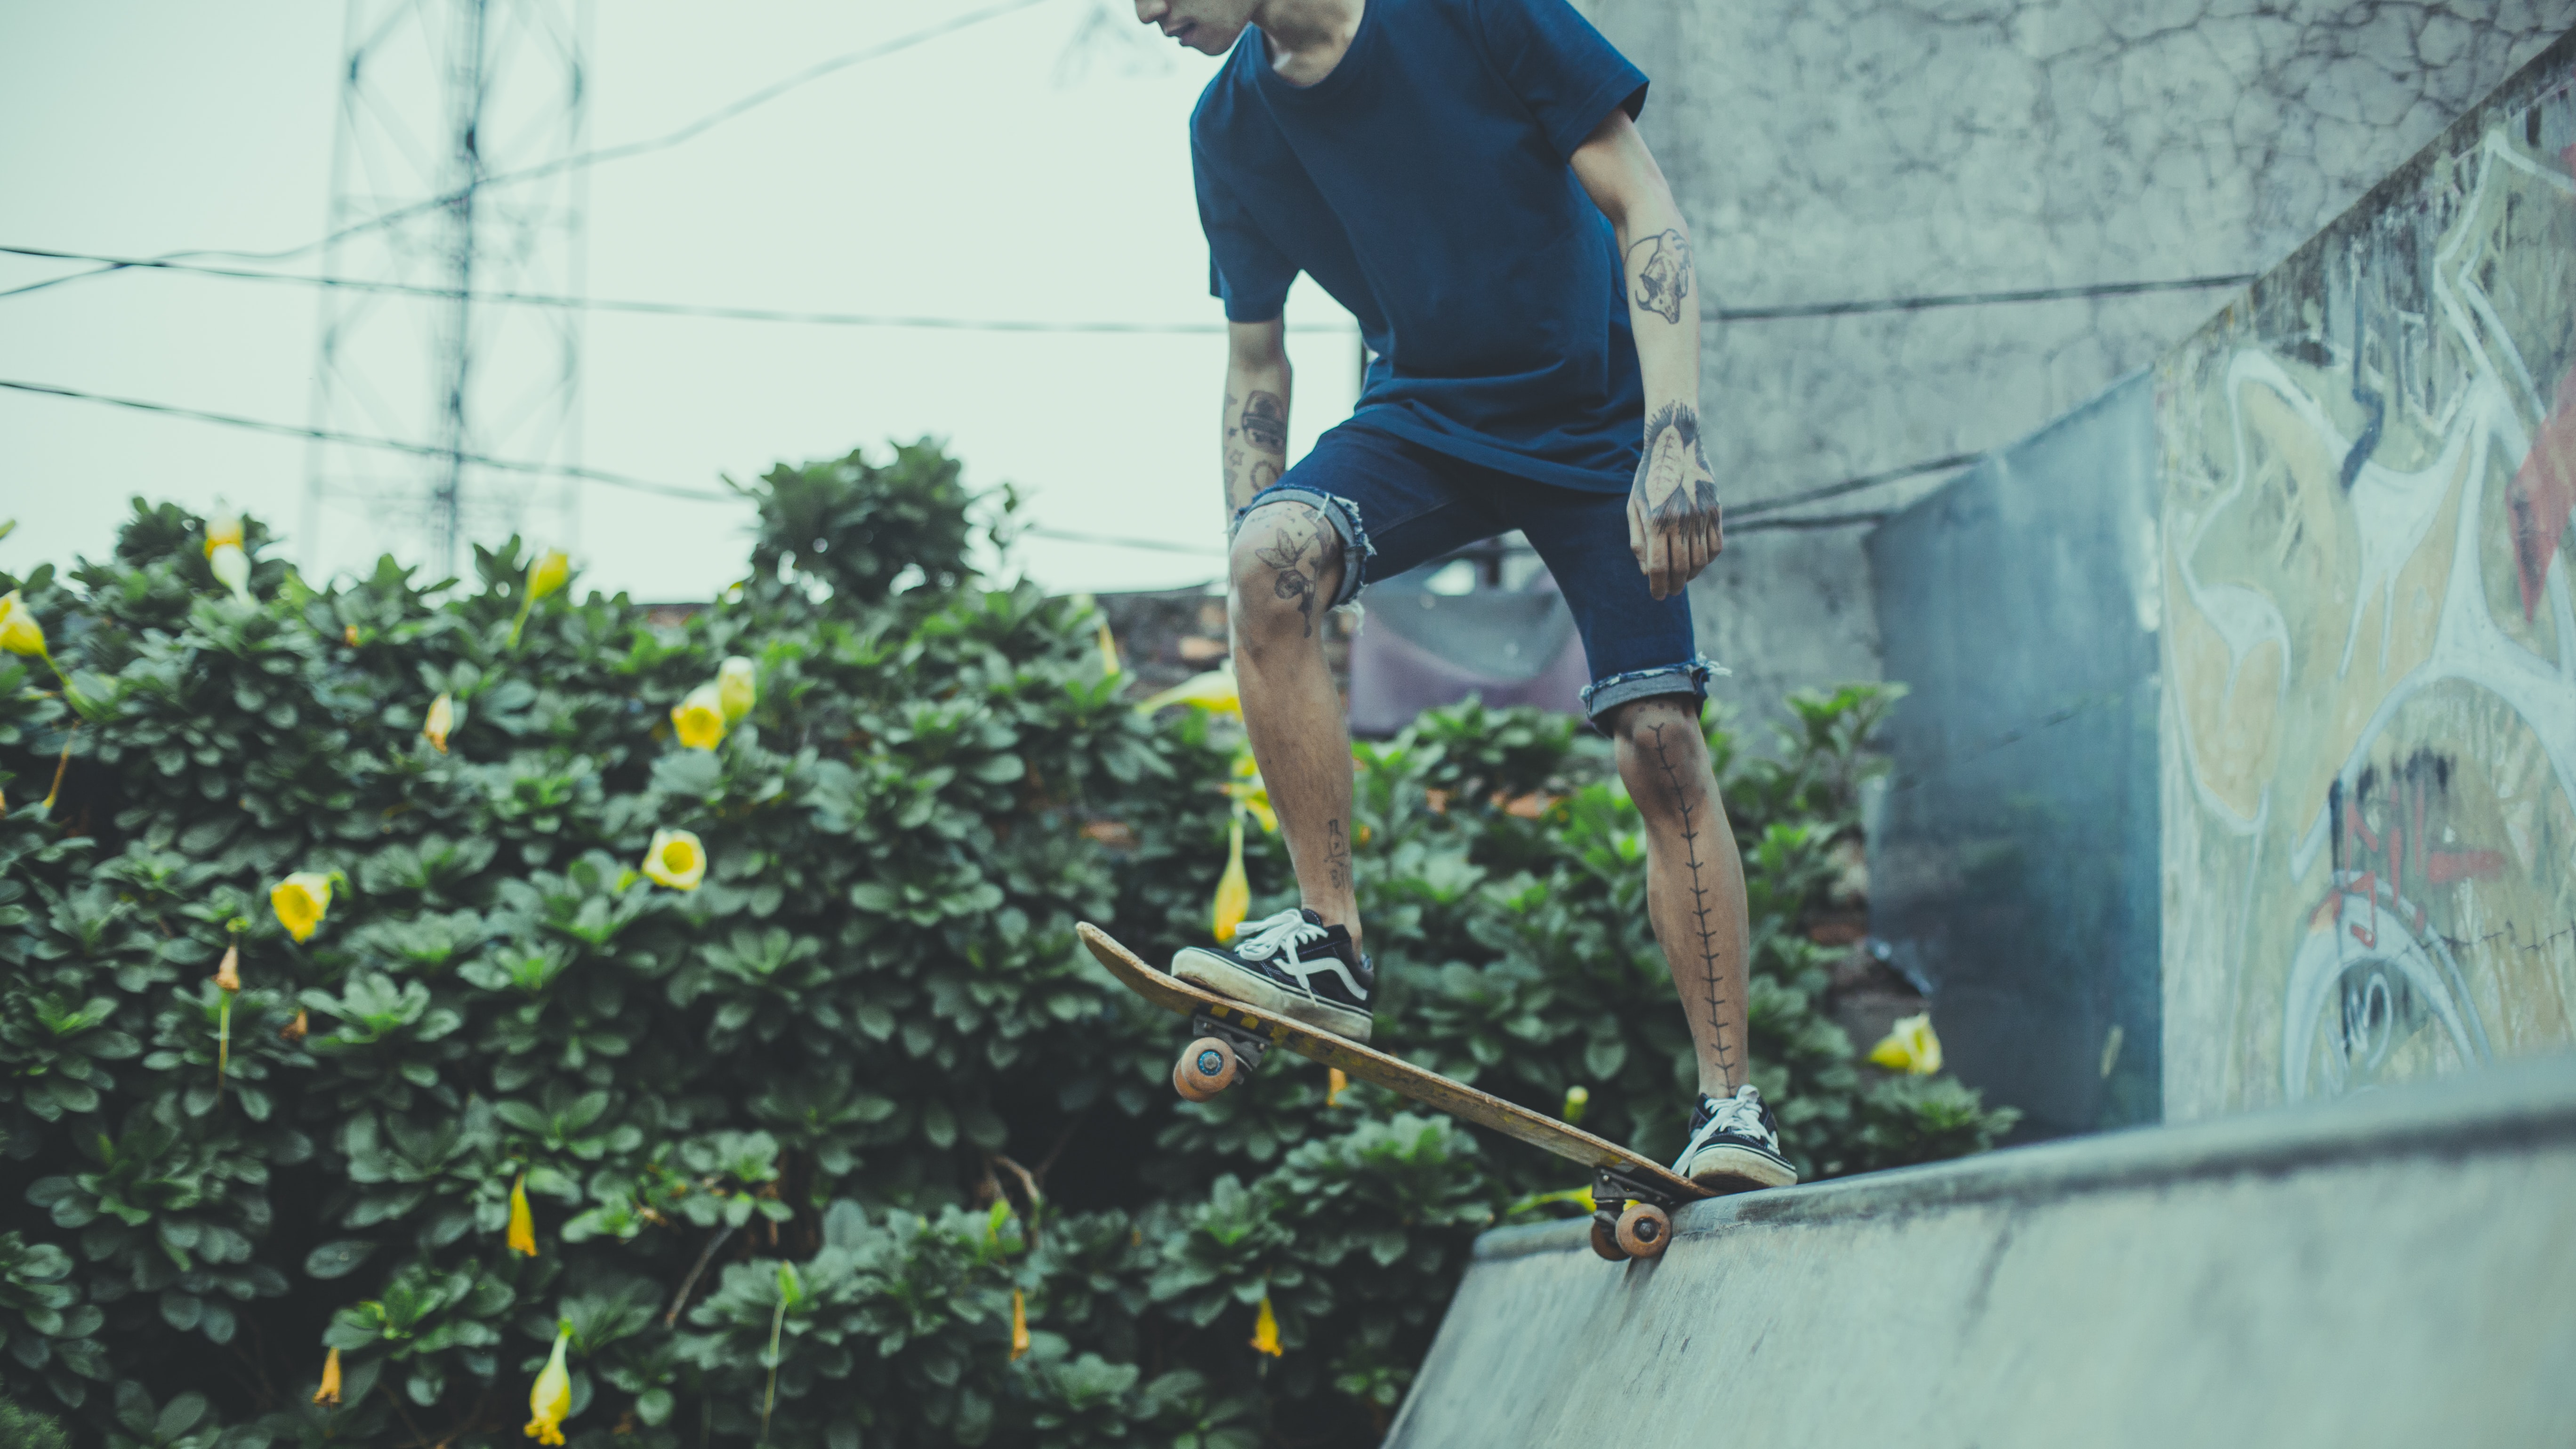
976,175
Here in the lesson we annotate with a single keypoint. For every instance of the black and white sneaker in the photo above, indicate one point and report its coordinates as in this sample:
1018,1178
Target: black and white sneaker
1735,1145
1293,964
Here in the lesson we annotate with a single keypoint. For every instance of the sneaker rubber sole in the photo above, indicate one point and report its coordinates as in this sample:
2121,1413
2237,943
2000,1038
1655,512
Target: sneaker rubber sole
1217,974
1727,1167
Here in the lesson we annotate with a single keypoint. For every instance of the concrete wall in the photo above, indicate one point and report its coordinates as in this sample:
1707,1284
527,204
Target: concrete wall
2369,736
2013,864
2391,1271
1860,149
2341,596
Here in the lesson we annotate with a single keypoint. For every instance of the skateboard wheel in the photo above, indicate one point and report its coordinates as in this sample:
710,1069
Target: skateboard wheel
1207,1066
1645,1230
1605,1242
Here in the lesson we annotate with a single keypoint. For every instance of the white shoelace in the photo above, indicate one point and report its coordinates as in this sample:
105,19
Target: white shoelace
1262,939
1741,1113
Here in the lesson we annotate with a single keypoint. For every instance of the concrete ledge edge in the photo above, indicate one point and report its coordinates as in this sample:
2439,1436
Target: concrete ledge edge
2516,1104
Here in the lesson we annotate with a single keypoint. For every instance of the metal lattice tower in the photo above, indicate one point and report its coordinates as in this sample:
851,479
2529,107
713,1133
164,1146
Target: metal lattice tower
454,118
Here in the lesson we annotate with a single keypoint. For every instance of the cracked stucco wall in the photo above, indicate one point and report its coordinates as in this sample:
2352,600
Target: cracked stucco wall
1826,150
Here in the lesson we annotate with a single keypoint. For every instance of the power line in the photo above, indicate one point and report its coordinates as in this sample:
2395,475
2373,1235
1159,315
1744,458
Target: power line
1149,545
1763,506
658,309
1974,299
110,263
1751,518
1812,520
760,97
396,445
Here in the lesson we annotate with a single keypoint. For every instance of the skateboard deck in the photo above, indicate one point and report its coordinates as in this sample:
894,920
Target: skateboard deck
1618,1174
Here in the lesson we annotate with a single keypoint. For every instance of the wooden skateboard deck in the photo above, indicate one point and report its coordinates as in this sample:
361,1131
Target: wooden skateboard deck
1618,1173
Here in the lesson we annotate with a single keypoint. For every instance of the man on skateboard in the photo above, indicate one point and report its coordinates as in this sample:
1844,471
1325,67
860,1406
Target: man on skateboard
1465,177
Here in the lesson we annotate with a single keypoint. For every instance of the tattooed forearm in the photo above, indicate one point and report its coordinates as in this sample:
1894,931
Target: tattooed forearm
1292,577
1265,423
1256,443
1685,803
1660,266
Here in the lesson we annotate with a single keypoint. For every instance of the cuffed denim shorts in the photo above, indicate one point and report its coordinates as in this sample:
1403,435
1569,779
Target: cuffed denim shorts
1397,505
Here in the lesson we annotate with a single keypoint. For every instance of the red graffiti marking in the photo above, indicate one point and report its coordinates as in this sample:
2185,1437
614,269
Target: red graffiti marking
2449,867
2544,492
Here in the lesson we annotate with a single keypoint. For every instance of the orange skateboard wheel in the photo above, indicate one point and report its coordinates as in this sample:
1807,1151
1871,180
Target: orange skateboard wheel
1605,1242
1645,1230
1207,1066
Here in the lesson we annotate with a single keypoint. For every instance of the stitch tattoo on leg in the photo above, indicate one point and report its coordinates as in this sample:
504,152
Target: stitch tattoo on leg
1337,854
1710,953
1662,264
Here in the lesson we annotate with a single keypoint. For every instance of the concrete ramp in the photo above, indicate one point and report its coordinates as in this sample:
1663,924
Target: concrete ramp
2396,1269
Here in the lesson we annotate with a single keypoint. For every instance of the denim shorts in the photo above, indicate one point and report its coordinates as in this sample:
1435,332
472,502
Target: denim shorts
1397,505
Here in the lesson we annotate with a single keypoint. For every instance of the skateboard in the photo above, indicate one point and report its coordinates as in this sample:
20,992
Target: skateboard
1229,1037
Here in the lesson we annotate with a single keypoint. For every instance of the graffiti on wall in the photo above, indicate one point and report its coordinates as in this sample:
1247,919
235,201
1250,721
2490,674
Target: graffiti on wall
2369,724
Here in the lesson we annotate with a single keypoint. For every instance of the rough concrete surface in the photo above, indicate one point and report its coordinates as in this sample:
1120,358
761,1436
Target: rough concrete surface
1831,150
2387,1270
2369,725
2013,866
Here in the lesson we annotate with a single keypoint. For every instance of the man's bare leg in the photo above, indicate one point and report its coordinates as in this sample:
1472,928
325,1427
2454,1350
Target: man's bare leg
1286,565
1694,879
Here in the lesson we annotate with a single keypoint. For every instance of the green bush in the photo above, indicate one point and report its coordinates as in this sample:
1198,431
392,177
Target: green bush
22,1428
858,1094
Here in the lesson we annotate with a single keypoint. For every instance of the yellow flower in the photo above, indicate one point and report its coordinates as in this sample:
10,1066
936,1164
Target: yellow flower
545,576
1250,793
1576,1099
549,573
1019,1326
19,631
551,1398
1233,891
301,901
523,1224
737,687
295,1031
232,569
1909,1046
329,1393
223,533
1336,1082
228,975
441,719
676,859
1108,649
1213,691
700,718
1265,1329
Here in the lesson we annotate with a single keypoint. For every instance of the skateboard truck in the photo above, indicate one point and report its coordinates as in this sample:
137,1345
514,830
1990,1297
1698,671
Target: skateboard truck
1639,1229
1219,1055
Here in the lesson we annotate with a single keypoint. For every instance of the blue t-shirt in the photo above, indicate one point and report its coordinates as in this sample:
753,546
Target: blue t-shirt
1424,184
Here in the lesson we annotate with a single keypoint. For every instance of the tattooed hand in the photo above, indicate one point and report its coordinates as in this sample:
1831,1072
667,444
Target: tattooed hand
1674,523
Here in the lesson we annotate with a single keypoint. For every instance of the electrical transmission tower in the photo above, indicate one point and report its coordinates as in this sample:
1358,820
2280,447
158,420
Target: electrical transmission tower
456,118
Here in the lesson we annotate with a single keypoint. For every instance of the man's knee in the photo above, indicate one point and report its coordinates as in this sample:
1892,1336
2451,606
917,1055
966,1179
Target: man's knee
1285,564
1662,722
1662,756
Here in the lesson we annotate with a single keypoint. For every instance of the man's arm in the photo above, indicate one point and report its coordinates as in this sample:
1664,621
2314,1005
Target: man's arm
1256,409
1674,523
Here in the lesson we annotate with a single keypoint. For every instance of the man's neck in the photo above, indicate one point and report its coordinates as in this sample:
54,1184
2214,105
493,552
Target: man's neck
1307,37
